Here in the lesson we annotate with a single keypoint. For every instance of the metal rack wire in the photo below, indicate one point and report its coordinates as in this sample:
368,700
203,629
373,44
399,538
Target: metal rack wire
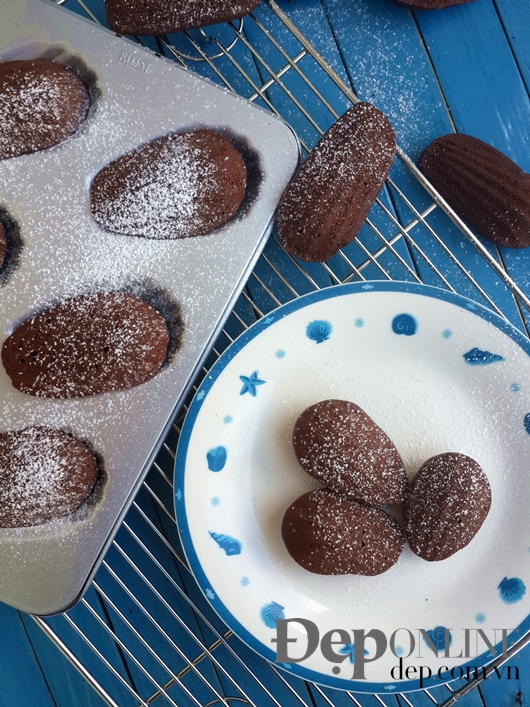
143,633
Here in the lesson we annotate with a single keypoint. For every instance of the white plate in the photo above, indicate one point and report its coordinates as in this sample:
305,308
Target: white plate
438,373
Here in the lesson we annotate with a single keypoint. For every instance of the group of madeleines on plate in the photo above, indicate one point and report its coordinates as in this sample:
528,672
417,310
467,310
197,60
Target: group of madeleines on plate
344,528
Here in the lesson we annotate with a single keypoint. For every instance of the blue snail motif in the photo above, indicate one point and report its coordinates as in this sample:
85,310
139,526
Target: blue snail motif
404,324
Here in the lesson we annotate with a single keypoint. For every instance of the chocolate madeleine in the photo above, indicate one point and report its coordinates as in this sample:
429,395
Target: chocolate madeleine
329,534
41,104
180,185
166,16
447,503
331,193
45,474
338,444
485,188
87,345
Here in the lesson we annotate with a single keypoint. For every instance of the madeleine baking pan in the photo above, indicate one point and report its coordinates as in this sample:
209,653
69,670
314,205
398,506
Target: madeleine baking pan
61,251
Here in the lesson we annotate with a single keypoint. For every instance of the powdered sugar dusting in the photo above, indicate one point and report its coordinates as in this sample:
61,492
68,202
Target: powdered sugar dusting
45,474
340,445
449,500
166,16
87,345
330,534
157,200
41,104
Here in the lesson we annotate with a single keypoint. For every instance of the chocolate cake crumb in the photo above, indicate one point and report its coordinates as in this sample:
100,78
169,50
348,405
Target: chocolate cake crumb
331,193
485,188
167,16
430,4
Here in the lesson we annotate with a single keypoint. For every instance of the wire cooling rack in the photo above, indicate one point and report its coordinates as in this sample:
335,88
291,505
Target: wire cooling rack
143,633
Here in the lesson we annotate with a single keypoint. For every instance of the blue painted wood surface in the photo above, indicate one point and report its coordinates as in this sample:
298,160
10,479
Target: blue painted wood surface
467,68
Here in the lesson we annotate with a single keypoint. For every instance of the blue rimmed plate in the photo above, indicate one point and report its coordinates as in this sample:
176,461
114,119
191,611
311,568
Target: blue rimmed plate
438,373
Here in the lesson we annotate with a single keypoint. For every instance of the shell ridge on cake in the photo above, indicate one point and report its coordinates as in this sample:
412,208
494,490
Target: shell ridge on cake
331,193
485,188
45,474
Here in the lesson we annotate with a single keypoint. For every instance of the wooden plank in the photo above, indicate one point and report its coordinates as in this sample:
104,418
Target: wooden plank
515,16
21,676
488,99
133,614
68,687
387,64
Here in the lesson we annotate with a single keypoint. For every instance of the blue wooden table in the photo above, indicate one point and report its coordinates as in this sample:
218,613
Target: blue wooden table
465,68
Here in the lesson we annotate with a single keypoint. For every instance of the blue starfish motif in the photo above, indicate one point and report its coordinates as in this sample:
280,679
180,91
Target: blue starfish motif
268,320
359,322
348,649
390,687
280,353
228,419
515,387
209,593
367,287
249,384
244,581
470,305
178,495
447,333
201,395
480,618
215,501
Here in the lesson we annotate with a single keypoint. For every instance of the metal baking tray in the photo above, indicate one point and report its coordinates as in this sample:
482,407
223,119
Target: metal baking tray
138,96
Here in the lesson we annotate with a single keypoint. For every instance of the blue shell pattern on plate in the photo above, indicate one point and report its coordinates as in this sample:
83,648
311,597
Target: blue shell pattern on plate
511,590
318,331
404,324
477,357
270,613
230,545
216,458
